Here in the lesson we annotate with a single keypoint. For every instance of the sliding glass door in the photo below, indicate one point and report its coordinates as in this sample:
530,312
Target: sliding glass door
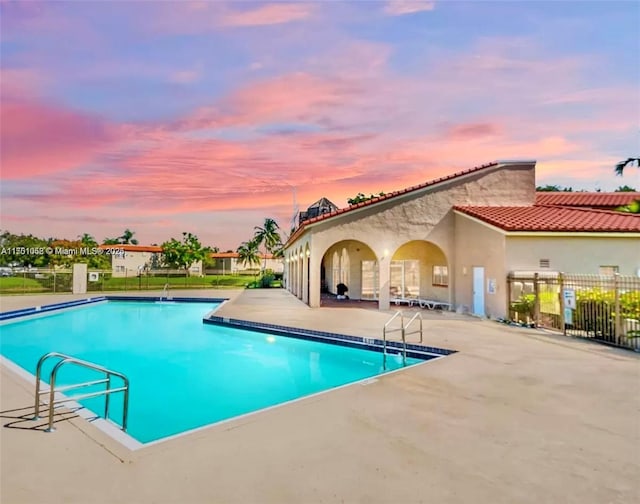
404,281
369,280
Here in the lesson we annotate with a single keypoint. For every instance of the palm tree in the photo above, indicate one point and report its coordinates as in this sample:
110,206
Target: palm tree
269,236
87,240
248,253
623,164
127,237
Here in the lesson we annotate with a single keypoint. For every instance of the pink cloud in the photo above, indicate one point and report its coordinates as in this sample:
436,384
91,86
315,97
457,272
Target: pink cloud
269,14
37,138
401,7
473,130
297,96
202,17
20,82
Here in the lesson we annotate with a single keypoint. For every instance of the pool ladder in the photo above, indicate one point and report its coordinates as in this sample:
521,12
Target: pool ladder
66,359
403,331
165,293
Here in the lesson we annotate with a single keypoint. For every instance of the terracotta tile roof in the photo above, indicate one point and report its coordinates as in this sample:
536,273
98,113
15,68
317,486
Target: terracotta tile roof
133,248
586,199
554,218
386,197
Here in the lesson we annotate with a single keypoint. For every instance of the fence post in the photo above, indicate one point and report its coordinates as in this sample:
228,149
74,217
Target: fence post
54,281
536,301
616,293
509,284
563,324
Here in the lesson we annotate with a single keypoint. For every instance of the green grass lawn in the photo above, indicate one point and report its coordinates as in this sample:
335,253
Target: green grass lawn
18,284
21,285
157,283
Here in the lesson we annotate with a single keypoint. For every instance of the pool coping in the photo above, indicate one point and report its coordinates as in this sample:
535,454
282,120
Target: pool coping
416,351
37,310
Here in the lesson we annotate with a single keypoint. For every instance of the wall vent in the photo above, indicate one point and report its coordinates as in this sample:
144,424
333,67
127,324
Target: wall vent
544,263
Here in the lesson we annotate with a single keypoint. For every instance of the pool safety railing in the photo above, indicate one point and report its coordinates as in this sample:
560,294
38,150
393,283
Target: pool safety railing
165,293
385,331
403,332
418,316
66,359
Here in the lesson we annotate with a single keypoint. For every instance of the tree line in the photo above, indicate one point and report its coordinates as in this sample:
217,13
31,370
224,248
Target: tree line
32,251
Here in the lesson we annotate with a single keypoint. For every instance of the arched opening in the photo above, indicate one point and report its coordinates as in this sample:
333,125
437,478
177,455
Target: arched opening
419,269
354,264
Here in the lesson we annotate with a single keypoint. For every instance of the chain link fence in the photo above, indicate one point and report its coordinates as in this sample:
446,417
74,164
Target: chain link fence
602,308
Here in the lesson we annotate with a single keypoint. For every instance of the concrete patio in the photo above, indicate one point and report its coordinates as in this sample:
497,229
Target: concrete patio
516,416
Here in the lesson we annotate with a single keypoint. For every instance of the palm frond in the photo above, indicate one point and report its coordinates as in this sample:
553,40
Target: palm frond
623,164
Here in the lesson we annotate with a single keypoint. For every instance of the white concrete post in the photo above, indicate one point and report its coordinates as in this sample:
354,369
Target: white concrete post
384,275
314,280
305,279
79,278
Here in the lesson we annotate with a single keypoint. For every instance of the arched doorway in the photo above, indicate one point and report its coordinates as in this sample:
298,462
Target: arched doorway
419,269
354,264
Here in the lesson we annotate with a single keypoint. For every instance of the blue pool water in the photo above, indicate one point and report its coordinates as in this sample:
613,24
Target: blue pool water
184,374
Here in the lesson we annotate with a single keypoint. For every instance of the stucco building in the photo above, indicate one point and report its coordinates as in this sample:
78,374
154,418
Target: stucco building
129,260
455,239
228,263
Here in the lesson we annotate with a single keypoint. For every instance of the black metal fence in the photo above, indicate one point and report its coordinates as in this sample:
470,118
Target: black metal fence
602,308
35,281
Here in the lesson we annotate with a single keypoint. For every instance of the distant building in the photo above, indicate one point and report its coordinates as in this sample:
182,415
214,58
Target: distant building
228,263
596,200
130,260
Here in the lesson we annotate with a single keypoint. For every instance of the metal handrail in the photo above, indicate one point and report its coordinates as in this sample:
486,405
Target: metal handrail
418,315
384,338
66,359
165,292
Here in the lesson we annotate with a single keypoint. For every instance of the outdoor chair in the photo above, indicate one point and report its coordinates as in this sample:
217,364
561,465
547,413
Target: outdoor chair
431,304
404,300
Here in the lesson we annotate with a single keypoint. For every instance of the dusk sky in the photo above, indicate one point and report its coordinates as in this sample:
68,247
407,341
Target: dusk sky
207,117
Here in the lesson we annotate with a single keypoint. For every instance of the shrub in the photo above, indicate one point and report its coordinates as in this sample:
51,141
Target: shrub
266,279
524,306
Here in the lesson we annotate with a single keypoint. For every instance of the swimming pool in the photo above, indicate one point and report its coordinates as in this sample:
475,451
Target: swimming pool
185,374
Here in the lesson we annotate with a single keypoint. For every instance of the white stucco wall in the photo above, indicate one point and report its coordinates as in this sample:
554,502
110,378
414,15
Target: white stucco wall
129,262
482,246
574,254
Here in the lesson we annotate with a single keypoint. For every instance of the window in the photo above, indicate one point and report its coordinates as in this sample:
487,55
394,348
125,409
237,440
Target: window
440,276
608,270
404,279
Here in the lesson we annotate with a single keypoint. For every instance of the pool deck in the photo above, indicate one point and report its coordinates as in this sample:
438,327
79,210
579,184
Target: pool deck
516,416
